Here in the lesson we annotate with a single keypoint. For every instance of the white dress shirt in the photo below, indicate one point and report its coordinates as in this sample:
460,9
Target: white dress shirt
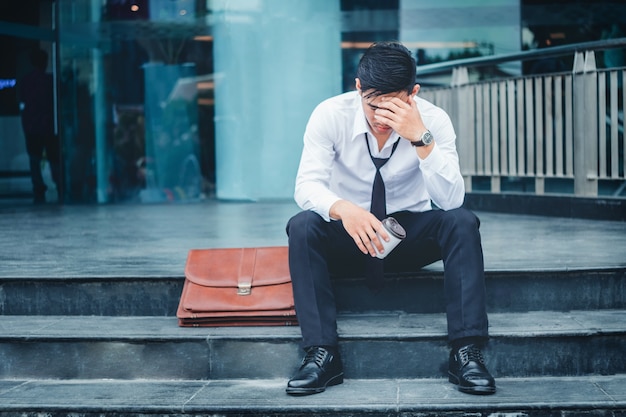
335,162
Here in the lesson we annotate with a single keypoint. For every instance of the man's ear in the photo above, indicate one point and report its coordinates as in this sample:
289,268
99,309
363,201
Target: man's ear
416,89
357,84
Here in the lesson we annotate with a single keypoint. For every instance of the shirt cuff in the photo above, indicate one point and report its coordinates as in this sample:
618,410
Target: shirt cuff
325,205
434,161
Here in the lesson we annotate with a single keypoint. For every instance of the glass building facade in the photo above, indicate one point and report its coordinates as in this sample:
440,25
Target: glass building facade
183,100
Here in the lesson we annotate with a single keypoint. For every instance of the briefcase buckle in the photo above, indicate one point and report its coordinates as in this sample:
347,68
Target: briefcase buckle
244,288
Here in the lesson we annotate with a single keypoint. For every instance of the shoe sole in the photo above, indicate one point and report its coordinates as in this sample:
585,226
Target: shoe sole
336,380
470,390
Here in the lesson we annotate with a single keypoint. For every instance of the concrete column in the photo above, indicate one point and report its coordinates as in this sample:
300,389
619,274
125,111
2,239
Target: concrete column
274,61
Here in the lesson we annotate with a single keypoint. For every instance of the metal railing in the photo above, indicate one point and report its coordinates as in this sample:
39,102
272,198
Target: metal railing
553,126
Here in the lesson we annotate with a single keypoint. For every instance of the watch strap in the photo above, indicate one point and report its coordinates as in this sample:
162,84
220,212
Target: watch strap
420,142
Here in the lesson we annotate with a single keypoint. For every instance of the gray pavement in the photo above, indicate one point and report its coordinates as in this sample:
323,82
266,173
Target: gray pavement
526,396
400,326
153,240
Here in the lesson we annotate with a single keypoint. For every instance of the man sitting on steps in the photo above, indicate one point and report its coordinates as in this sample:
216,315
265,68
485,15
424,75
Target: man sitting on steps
383,134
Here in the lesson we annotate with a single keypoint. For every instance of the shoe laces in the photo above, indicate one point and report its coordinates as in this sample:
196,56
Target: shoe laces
315,355
470,353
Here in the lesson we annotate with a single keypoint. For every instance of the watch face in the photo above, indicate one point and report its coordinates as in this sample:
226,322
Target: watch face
427,138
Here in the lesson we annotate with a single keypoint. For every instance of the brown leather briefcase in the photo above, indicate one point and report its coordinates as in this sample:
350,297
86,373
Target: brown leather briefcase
237,287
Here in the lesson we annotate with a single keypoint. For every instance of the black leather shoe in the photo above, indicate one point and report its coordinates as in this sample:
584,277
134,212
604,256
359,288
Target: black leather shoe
467,370
320,368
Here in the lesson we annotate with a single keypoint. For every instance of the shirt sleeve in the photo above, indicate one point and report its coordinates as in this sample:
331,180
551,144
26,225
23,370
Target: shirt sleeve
312,191
441,170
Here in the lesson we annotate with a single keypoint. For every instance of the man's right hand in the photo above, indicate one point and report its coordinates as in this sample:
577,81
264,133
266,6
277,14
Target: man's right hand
361,225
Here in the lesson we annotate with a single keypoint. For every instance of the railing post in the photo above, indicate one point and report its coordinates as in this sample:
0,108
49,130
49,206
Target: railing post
585,91
460,76
463,120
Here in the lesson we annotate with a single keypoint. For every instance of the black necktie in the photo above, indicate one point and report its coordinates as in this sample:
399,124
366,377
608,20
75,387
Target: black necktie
374,267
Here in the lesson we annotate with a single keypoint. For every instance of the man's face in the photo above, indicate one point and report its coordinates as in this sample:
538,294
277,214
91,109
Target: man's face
370,104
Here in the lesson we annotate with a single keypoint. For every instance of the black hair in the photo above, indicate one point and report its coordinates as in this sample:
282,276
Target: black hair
386,67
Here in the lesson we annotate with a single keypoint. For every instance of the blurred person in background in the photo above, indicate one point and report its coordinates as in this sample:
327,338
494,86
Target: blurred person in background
37,111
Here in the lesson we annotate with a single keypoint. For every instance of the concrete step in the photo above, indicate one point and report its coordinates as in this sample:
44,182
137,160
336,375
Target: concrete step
508,291
529,396
377,345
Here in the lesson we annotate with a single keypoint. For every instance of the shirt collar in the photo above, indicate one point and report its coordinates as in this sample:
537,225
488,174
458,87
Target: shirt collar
360,126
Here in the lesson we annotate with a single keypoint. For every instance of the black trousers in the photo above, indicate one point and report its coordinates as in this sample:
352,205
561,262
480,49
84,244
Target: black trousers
319,249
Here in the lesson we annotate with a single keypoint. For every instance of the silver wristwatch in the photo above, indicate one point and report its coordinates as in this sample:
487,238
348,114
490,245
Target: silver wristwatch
425,139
